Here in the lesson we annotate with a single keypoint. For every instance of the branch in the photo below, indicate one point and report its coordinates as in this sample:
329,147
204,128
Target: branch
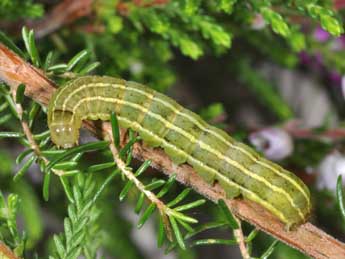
241,241
297,130
6,253
123,7
68,11
30,137
307,238
163,209
64,13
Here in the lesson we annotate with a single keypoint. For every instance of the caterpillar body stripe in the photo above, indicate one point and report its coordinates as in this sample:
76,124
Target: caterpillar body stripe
184,136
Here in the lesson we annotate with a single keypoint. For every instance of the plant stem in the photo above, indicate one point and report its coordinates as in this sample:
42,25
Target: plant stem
162,208
29,135
6,253
241,240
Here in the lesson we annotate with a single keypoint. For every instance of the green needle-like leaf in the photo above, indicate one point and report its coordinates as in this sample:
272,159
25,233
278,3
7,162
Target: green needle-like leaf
177,233
100,167
89,68
148,212
143,167
24,168
3,106
33,50
179,197
5,118
11,135
42,135
48,60
34,111
125,190
167,186
22,155
228,215
65,165
128,146
67,188
340,196
185,225
76,59
269,250
93,146
204,227
29,41
252,235
115,129
105,183
46,184
154,185
140,203
161,232
20,93
183,217
190,205
58,68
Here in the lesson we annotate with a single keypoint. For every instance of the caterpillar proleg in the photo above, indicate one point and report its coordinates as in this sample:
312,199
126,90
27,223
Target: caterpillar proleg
184,136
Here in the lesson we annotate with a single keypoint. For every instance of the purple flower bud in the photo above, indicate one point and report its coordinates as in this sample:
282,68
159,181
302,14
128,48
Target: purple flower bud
275,143
321,35
328,170
335,77
318,60
305,58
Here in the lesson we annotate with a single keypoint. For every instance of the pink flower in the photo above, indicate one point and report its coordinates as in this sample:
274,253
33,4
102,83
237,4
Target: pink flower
321,35
275,143
330,167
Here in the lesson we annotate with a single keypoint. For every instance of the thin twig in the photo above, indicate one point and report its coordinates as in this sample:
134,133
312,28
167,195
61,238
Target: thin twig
296,129
30,137
26,128
306,238
241,240
6,253
164,211
64,13
123,7
131,177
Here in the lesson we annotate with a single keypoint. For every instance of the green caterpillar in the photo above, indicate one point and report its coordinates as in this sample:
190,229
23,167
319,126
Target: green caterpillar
184,136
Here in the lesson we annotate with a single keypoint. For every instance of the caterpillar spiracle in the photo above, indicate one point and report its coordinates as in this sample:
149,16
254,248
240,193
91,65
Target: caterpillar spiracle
185,138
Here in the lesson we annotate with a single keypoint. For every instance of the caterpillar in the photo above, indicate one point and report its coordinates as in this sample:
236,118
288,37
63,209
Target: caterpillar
184,136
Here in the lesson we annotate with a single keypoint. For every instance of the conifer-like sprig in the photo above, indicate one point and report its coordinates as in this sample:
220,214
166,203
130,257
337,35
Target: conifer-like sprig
171,217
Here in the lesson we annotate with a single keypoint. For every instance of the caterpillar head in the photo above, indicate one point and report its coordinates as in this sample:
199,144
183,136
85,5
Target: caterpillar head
64,129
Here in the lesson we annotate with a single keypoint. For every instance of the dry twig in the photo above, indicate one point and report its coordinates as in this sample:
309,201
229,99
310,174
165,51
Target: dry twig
306,238
64,13
6,253
162,208
241,241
